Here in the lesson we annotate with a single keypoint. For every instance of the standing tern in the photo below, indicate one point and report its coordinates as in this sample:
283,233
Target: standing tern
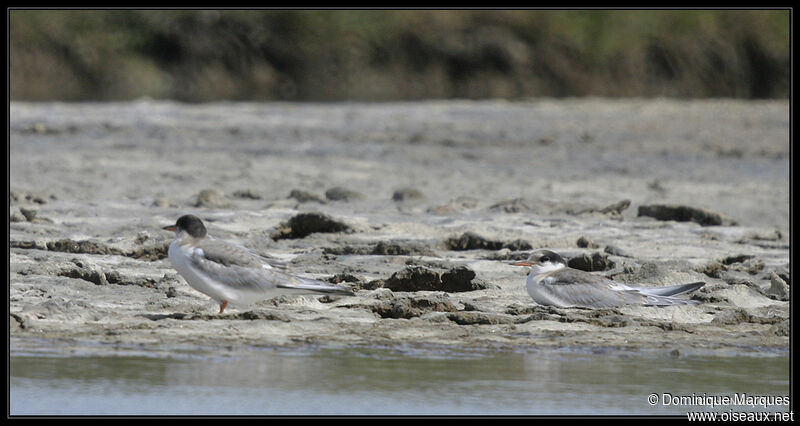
230,273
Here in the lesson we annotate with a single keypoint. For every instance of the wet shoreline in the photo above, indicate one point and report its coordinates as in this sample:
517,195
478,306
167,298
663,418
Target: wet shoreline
423,190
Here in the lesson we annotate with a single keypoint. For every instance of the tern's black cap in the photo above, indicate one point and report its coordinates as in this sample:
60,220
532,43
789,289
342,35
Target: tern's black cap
191,224
547,256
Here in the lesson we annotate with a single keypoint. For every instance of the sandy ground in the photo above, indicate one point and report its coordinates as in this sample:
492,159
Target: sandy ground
428,193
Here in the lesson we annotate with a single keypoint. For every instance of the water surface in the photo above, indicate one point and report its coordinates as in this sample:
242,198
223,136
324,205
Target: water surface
385,382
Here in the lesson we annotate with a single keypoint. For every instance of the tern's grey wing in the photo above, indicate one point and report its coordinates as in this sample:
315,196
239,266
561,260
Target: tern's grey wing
240,268
237,273
582,289
228,253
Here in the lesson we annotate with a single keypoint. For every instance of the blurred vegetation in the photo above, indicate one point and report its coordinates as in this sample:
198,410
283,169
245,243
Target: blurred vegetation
196,56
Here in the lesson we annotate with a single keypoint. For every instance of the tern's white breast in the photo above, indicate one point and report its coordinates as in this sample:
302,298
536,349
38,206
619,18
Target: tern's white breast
179,256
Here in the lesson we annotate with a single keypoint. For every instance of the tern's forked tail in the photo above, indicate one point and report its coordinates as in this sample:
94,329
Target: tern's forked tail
312,285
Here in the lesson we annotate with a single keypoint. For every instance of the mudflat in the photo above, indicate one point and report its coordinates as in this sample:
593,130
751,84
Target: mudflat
419,207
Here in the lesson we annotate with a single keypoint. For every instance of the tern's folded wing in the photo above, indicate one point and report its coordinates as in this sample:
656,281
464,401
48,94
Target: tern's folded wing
228,253
236,275
589,293
243,270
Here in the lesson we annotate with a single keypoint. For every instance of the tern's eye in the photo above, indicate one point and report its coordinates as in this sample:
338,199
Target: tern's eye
545,258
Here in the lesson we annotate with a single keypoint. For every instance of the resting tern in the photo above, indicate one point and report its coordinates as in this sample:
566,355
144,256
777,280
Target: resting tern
552,282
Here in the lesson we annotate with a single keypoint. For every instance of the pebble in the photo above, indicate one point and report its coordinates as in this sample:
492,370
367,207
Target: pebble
339,193
407,194
212,198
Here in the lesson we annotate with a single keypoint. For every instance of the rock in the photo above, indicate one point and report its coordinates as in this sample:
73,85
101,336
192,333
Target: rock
593,262
764,235
615,251
781,329
732,316
410,307
150,253
515,205
345,277
778,288
740,315
163,202
407,194
736,259
339,193
454,206
304,224
85,272
616,208
16,196
15,215
212,198
479,318
86,246
141,237
713,269
305,197
684,214
247,193
584,242
29,214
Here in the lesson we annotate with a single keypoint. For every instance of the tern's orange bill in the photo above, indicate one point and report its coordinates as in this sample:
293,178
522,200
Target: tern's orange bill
523,263
169,228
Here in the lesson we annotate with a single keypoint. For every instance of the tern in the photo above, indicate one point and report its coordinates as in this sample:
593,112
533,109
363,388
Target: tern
230,273
552,282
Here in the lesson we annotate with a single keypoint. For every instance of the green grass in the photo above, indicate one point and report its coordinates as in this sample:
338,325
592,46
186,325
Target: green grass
378,55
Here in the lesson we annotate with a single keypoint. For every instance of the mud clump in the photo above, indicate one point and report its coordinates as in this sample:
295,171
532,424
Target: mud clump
473,241
411,307
685,214
418,278
590,263
305,224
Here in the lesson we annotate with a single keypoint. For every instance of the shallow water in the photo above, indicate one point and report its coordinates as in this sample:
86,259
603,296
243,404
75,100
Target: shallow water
386,382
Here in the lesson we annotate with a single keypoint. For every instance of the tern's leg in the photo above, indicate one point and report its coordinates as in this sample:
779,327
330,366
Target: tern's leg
223,305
